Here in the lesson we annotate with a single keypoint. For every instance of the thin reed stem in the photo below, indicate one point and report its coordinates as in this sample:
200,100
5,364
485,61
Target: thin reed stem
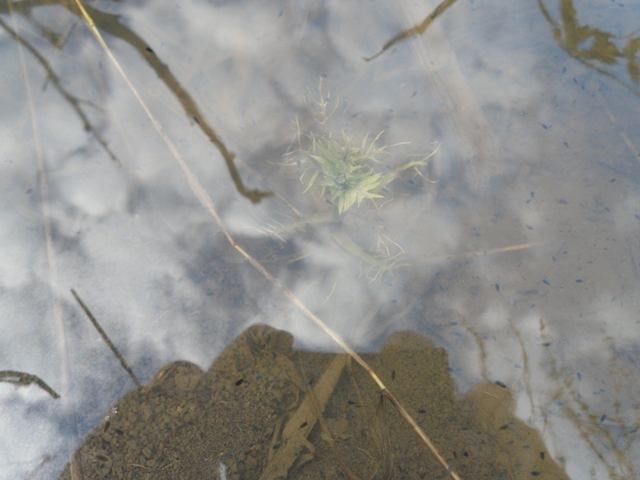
206,201
76,467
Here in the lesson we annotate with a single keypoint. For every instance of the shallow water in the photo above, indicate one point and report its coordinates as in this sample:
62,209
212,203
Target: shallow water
515,247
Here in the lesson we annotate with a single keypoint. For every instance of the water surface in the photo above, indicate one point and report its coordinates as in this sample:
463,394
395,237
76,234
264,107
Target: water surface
515,247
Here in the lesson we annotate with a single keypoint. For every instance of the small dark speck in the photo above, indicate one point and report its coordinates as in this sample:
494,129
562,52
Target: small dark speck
148,49
562,201
414,94
578,280
355,115
566,144
411,182
607,209
28,192
612,180
544,126
528,200
541,455
390,110
351,402
280,13
579,375
554,259
239,382
102,458
637,216
497,287
603,418
575,81
545,281
535,473
564,70
546,344
466,454
504,427
195,119
422,410
304,424
533,194
500,384
529,227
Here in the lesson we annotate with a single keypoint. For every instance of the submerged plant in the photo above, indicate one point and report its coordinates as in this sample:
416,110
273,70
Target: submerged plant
346,177
341,168
343,172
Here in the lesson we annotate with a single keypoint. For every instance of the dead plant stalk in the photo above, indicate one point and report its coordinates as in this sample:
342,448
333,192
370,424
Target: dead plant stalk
206,201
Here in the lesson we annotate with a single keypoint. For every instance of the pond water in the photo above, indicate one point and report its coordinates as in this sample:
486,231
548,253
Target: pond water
461,176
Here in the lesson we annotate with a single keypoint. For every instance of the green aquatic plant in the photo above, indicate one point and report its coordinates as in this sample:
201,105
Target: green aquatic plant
346,177
344,172
341,168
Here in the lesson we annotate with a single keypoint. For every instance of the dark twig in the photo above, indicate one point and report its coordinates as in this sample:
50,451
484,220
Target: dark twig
416,30
73,101
104,336
22,379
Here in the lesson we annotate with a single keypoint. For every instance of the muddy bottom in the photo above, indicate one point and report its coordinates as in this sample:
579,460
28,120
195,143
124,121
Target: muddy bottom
265,411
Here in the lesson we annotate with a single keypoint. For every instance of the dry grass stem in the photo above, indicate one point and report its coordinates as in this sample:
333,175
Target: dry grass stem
483,253
294,435
380,432
206,201
76,469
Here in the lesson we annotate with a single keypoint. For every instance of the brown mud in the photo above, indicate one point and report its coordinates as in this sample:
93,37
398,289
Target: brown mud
266,411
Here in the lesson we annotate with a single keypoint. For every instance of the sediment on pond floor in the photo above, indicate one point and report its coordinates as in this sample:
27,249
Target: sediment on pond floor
263,410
